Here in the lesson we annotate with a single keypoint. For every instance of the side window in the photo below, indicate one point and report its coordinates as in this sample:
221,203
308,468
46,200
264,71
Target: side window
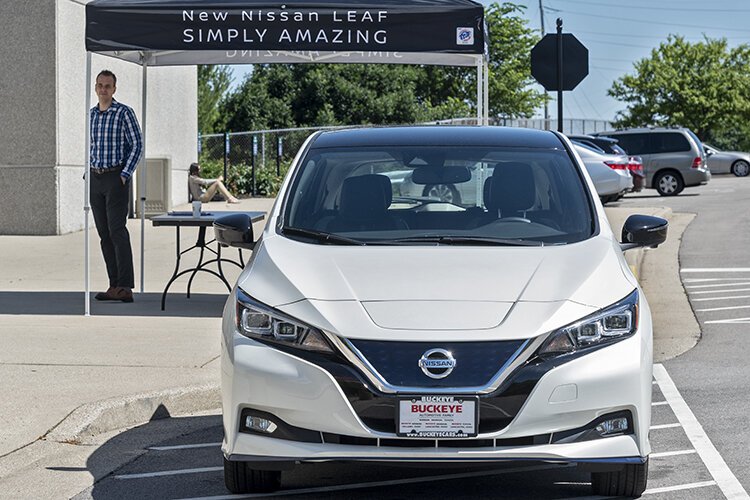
670,142
635,144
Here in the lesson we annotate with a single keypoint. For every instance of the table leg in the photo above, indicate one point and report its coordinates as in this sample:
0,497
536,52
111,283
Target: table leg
176,269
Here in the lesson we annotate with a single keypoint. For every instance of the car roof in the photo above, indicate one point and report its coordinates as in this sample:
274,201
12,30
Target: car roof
641,130
439,135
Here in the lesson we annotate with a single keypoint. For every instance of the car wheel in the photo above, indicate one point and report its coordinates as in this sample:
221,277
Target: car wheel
628,482
239,478
741,168
669,183
443,192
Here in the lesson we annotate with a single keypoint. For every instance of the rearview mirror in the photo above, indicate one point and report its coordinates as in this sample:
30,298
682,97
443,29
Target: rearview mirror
235,230
643,231
441,175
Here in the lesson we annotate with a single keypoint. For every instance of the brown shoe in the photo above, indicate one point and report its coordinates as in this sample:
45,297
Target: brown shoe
123,294
108,295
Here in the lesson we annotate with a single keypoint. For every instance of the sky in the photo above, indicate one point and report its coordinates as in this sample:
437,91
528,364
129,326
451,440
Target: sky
618,33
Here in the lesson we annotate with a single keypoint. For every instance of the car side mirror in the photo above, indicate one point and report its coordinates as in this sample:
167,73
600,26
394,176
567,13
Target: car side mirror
643,231
709,152
235,230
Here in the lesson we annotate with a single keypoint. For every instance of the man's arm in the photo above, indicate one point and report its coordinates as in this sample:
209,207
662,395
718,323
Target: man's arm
134,141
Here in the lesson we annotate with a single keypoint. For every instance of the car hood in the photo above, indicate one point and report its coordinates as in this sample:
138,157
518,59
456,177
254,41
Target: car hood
431,288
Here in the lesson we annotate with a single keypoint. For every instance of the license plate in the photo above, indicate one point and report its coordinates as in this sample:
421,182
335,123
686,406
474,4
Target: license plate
437,417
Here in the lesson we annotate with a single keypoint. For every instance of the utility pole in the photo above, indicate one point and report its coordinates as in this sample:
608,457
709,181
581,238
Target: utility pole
546,105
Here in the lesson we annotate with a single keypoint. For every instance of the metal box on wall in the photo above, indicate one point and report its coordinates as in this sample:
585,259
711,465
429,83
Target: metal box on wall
158,186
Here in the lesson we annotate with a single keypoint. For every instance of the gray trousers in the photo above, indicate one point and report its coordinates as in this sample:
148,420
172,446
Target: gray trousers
109,204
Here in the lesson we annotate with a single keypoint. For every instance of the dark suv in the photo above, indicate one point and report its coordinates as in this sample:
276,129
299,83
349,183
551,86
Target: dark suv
673,158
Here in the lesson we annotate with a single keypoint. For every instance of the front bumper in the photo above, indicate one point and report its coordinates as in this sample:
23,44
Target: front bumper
567,396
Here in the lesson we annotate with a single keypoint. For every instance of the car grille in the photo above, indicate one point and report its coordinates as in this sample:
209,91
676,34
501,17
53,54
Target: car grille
476,362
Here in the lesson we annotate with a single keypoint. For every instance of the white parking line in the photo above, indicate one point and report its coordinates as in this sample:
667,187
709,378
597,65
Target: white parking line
722,308
672,453
170,473
721,298
695,287
659,403
395,482
184,446
716,270
732,321
703,292
664,426
715,464
679,487
706,280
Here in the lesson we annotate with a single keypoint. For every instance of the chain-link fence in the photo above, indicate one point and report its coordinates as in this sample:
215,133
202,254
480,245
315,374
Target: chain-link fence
255,162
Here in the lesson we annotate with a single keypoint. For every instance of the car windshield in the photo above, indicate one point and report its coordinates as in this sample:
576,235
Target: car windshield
437,196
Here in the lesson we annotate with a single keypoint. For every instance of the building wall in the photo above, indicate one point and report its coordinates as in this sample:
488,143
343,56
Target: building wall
42,133
27,109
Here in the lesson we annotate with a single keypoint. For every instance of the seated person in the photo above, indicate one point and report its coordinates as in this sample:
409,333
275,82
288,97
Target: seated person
205,189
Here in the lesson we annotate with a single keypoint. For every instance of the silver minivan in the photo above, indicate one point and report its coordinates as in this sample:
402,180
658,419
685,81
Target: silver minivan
673,158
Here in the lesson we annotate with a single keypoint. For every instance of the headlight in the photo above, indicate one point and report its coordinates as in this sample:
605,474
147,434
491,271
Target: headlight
609,325
260,322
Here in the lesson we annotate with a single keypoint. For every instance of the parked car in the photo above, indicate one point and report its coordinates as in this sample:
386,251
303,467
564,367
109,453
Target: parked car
606,144
673,158
371,328
609,145
724,162
610,173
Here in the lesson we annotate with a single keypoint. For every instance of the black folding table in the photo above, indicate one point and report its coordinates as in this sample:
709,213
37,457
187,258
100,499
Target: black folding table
206,219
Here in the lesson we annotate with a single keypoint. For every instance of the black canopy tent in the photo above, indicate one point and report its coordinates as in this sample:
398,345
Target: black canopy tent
190,32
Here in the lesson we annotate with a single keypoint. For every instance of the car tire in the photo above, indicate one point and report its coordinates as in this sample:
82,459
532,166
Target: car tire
741,168
669,183
628,482
444,192
239,478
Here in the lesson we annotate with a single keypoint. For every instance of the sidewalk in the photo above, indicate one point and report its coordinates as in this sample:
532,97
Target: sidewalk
67,377
55,359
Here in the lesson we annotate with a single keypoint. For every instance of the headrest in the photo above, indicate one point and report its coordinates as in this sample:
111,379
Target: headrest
511,188
365,196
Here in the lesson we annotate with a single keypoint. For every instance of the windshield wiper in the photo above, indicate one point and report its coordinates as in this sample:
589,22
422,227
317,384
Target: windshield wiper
321,236
468,240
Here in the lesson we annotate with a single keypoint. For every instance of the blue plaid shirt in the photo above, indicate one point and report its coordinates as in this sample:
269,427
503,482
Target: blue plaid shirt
115,139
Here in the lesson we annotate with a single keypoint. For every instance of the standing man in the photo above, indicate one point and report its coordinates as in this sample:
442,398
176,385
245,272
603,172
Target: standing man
116,148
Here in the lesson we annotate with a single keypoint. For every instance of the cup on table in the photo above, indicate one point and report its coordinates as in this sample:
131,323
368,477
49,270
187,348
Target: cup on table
196,209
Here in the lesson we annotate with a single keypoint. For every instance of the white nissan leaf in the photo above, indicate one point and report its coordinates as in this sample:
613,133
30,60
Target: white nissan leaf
369,326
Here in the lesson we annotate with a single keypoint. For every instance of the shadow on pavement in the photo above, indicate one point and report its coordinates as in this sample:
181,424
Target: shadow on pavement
187,463
124,453
199,305
646,196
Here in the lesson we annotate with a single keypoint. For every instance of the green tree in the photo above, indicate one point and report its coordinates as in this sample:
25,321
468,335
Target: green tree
213,84
704,86
280,95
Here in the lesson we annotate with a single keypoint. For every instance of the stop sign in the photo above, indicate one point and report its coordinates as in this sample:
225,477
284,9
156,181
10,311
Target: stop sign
544,62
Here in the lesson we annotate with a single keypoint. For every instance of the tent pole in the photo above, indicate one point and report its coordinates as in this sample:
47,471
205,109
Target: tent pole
480,87
142,171
486,92
87,188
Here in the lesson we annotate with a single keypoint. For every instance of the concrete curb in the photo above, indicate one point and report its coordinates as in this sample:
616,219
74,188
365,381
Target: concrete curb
95,418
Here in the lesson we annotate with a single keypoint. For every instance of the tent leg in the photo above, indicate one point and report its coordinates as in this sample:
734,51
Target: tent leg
87,190
480,87
486,93
142,171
